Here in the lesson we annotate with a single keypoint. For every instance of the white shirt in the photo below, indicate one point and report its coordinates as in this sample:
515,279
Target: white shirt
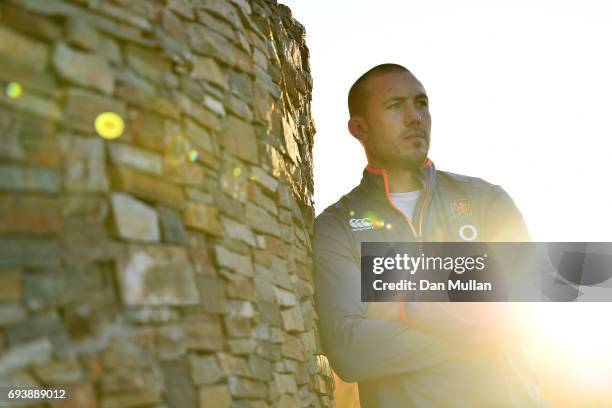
405,202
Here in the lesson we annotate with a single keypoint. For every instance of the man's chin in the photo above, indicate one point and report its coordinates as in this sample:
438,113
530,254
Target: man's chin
413,161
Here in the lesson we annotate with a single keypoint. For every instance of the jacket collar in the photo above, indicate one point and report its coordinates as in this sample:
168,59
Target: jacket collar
375,181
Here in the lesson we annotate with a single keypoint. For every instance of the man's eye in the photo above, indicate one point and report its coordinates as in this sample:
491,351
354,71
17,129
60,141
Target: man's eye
393,105
422,103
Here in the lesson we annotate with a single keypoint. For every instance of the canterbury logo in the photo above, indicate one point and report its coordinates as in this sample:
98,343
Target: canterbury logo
359,224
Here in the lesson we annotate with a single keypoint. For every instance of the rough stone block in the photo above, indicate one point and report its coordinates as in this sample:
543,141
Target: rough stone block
84,166
51,287
261,368
139,159
133,399
263,280
309,342
215,396
244,388
233,365
234,261
214,105
170,342
147,187
255,195
269,313
205,369
173,229
29,252
188,174
292,348
239,139
203,217
59,372
10,285
25,354
148,101
182,7
14,46
285,383
29,215
239,108
236,230
83,35
89,70
212,294
261,220
11,313
259,176
284,297
198,135
28,179
241,308
208,70
242,347
204,335
36,105
241,289
147,64
292,319
149,129
238,327
157,275
179,390
134,220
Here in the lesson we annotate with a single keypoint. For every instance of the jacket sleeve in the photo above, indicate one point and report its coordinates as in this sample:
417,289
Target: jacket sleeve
359,348
503,222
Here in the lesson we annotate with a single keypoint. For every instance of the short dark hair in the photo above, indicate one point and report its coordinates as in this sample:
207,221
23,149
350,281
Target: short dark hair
357,94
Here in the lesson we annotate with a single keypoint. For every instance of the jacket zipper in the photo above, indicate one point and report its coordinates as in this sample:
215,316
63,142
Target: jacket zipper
418,235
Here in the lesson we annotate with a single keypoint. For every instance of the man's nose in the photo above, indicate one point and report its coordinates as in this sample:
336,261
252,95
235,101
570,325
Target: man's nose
411,115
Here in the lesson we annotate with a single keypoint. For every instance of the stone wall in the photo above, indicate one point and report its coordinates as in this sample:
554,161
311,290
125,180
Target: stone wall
156,204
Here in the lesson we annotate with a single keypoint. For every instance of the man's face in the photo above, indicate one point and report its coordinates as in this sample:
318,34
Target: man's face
397,121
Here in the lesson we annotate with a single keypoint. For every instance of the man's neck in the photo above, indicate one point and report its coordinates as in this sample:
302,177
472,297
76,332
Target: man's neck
402,180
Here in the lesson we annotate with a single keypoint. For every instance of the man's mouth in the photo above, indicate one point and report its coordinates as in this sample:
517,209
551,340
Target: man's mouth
414,135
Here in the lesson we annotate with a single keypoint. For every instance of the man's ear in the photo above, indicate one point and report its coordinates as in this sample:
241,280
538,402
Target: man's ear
358,128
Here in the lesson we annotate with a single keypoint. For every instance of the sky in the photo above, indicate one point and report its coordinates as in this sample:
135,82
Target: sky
520,95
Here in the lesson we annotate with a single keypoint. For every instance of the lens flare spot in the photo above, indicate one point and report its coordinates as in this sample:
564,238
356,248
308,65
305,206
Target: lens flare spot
237,171
375,219
109,125
14,90
388,226
352,213
178,150
193,155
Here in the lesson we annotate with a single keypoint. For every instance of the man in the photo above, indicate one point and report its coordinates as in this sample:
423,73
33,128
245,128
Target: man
420,354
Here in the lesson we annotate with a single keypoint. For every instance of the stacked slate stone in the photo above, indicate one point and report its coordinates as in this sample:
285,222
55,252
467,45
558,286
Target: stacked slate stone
156,204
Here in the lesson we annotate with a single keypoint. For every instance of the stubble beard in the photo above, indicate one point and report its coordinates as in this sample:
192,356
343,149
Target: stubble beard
411,161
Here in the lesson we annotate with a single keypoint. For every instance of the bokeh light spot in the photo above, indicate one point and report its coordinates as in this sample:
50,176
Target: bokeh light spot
14,90
178,150
237,171
109,125
352,213
378,223
193,155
